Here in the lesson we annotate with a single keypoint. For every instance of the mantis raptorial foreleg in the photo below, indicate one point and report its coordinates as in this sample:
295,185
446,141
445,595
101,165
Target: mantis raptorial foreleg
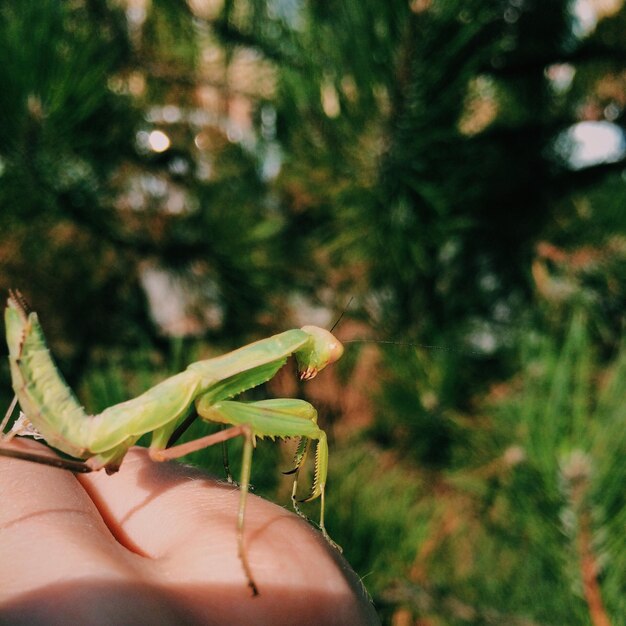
101,441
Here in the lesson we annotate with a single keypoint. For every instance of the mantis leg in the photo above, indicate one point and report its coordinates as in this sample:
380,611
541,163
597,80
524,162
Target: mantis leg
182,449
7,416
244,483
300,457
319,487
225,461
45,459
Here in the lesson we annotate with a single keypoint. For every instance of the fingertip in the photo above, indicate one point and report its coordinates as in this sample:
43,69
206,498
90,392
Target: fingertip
186,523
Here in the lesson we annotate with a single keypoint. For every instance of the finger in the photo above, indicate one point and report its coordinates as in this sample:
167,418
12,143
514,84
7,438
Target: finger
185,523
45,510
59,563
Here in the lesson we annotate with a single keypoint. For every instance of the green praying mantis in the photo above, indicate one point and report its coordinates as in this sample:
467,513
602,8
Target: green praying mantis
101,441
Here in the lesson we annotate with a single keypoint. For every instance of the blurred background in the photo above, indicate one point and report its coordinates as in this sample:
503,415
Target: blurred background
180,178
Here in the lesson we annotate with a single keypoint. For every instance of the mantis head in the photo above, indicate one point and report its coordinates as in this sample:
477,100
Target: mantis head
322,349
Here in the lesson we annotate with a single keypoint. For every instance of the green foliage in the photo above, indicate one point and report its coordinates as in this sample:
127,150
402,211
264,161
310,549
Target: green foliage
62,135
496,536
559,425
55,101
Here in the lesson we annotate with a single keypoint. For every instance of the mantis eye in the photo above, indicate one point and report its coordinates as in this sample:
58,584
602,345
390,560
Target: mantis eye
324,348
335,351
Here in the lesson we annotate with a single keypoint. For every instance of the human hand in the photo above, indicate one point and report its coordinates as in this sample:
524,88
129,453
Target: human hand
156,544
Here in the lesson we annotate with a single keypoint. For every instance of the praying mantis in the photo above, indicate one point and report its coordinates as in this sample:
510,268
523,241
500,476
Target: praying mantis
101,441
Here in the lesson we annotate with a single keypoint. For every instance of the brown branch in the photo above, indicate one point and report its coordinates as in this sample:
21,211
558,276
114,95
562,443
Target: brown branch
589,572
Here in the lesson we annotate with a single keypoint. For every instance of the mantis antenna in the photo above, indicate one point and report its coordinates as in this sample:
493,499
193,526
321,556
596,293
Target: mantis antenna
345,308
392,342
411,344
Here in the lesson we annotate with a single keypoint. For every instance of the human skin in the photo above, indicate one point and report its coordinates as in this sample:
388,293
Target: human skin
156,544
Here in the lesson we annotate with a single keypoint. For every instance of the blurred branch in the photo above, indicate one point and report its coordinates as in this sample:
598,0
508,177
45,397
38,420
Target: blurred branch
230,35
589,52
